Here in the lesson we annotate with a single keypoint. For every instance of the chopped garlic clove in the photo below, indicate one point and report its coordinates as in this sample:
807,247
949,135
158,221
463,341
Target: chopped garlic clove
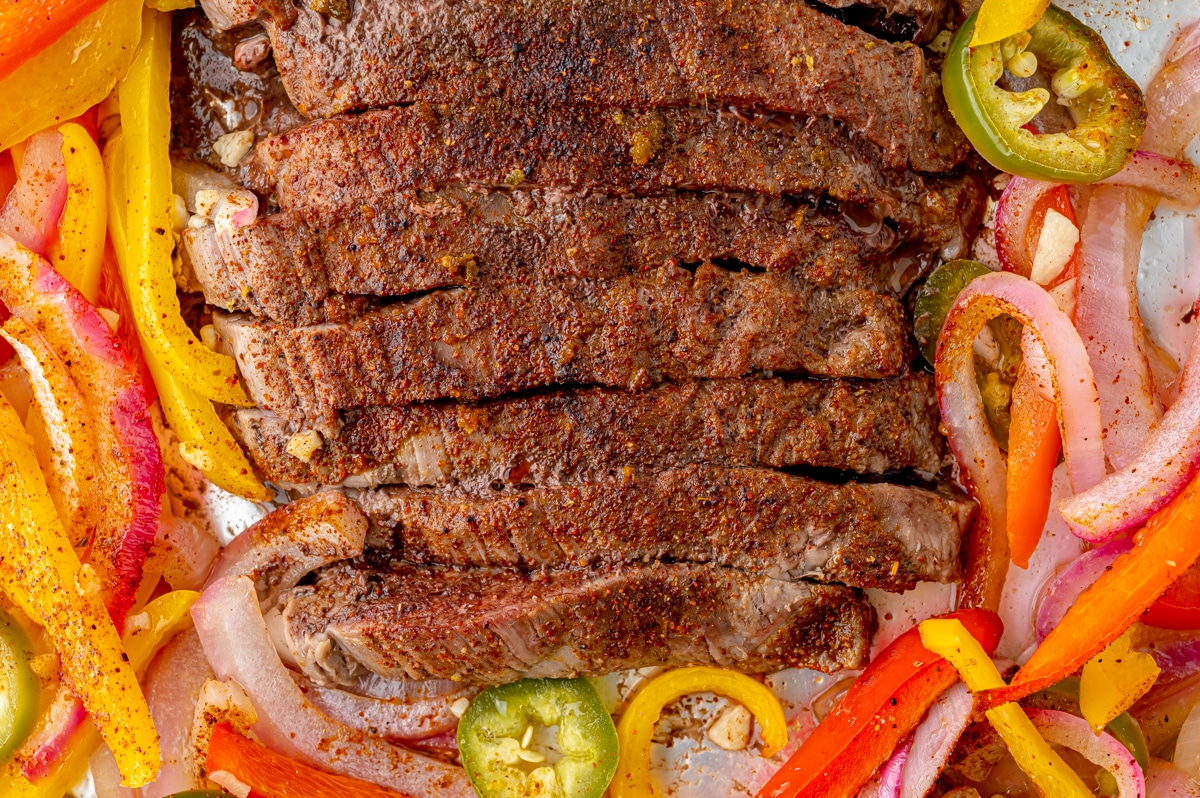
1056,245
303,445
731,730
232,147
459,707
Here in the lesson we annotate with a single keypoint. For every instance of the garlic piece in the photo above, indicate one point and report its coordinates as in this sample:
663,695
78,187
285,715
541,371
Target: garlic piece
232,147
731,730
1056,244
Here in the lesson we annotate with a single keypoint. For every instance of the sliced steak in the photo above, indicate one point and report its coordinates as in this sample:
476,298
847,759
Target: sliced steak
778,55
556,438
492,626
350,161
633,331
302,269
894,20
756,520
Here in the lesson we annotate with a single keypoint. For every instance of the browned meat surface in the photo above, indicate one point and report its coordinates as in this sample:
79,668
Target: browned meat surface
756,520
557,438
490,626
633,332
297,268
212,96
349,161
778,55
895,20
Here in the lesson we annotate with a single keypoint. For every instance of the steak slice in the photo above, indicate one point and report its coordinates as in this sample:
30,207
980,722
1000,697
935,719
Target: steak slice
350,161
301,269
490,626
560,437
633,331
778,55
756,520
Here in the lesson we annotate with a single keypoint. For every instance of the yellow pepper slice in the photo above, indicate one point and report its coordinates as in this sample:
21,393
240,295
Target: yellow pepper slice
147,271
41,572
170,5
636,726
205,441
71,75
948,638
1113,680
79,251
999,19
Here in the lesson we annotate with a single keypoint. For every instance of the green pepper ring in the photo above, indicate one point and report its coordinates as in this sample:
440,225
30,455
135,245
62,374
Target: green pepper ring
20,688
1116,114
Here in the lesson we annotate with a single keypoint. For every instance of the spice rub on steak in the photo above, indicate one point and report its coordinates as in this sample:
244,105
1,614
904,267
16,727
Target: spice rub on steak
555,438
299,268
490,626
776,55
635,331
349,161
755,520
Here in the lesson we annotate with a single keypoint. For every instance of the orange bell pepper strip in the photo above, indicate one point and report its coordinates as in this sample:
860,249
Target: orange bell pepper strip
41,573
28,27
1034,443
1179,607
272,775
883,705
1164,549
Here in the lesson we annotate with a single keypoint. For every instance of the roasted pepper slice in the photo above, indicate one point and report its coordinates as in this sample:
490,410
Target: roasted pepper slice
637,721
1105,103
42,574
79,251
147,270
879,710
495,732
949,638
999,19
1113,680
20,688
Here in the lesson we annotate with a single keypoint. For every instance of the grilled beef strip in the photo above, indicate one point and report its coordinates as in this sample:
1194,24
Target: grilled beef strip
299,268
634,331
755,520
350,161
490,626
559,437
777,55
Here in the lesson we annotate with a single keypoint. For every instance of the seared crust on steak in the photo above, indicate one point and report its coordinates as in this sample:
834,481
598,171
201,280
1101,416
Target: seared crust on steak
756,520
490,626
559,437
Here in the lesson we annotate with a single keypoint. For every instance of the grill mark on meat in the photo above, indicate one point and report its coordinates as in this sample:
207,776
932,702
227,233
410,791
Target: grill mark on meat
493,626
585,435
778,55
349,161
299,269
634,331
787,527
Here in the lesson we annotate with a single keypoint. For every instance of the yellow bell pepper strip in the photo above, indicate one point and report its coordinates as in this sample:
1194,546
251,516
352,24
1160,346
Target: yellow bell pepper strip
1113,680
883,705
147,270
79,251
999,19
636,725
205,441
44,91
41,573
170,5
949,638
1164,549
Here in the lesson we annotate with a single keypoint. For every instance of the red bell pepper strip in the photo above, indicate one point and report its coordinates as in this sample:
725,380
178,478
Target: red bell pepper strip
1034,443
28,27
272,775
1179,607
1163,551
880,709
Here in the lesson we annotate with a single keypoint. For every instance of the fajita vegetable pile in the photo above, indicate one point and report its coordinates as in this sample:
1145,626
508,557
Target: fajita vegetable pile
614,399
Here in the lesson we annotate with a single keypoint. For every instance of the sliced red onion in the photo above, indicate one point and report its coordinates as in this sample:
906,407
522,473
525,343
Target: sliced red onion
398,721
234,636
979,457
1103,750
185,552
172,685
1178,657
886,783
1173,180
934,739
52,739
293,540
372,685
1109,321
1014,215
1168,460
1187,41
1164,780
31,212
1173,102
1074,579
